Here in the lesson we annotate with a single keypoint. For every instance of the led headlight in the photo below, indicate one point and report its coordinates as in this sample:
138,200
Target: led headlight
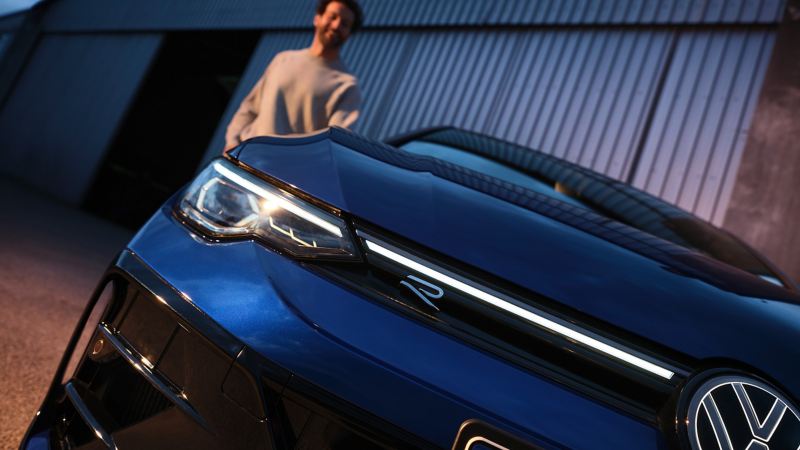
227,201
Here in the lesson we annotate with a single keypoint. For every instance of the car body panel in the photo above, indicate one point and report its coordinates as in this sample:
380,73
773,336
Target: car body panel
245,328
649,298
292,316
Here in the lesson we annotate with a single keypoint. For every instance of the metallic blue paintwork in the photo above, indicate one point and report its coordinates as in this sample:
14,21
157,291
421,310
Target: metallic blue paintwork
587,273
39,441
407,373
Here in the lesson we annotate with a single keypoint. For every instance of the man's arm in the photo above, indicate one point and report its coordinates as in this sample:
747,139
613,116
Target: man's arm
245,115
348,108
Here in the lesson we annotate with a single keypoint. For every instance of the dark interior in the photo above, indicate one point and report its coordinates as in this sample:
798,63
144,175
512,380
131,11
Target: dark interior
166,131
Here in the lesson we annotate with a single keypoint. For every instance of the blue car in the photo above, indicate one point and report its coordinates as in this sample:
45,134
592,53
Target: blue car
448,290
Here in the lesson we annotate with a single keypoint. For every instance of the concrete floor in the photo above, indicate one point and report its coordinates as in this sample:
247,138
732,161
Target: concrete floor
51,258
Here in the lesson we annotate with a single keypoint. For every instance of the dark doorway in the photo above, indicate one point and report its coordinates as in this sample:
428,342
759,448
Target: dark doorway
166,132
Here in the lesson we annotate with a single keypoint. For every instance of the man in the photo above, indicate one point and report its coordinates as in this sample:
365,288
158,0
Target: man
304,90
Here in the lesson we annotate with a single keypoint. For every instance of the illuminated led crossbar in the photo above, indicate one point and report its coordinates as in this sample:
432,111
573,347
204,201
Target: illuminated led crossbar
277,200
532,317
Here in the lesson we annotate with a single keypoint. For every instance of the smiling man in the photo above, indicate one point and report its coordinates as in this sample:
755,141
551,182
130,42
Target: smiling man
304,90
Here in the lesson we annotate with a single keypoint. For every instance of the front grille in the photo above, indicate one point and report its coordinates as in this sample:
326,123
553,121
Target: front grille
124,394
493,329
114,393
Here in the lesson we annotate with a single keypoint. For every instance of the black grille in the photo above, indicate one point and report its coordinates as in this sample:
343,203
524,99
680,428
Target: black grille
126,396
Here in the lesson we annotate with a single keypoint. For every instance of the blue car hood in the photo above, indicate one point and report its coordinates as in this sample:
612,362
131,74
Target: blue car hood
587,262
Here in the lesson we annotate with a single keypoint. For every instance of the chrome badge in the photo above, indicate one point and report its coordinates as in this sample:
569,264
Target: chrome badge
423,289
736,412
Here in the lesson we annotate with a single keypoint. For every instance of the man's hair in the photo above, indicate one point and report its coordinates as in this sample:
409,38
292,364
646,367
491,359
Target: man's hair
352,5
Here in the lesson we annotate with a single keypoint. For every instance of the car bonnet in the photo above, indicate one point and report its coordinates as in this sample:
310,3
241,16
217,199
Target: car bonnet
587,262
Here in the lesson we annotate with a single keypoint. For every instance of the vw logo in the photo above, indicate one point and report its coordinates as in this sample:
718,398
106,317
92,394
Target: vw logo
740,413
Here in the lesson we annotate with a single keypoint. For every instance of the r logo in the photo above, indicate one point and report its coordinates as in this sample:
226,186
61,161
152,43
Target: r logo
423,289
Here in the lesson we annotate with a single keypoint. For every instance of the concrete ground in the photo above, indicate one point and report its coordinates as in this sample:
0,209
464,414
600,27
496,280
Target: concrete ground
51,258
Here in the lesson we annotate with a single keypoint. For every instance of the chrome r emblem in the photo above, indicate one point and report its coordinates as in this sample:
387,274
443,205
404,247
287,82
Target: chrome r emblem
424,290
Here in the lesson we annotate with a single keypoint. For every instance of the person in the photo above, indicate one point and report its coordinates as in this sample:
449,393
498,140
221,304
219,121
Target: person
304,90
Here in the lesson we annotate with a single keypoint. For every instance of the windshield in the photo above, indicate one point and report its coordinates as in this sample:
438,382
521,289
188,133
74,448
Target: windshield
578,186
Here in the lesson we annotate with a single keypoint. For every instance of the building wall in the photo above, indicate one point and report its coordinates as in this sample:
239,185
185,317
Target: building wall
666,109
659,93
5,40
139,15
62,113
765,206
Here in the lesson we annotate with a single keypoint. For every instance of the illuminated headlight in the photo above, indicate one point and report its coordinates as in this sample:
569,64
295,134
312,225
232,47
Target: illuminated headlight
227,201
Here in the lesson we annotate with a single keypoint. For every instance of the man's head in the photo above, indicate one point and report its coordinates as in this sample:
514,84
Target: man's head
335,21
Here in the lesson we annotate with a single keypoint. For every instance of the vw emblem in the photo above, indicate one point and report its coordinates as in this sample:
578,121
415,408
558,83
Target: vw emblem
740,413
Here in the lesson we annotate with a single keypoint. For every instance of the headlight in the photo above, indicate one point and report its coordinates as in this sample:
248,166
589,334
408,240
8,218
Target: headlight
227,201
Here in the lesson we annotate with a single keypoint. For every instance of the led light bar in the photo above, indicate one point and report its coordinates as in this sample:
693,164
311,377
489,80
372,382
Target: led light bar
532,317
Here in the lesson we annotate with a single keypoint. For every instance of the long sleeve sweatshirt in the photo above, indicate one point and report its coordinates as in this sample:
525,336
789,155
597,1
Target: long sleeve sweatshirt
298,93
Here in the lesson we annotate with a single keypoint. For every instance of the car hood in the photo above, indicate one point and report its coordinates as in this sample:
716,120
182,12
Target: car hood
589,263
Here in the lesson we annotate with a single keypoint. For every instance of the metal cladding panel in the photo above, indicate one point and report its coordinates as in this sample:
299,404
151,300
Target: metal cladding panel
63,111
377,59
578,94
96,15
269,45
594,96
586,96
692,151
616,12
450,78
425,12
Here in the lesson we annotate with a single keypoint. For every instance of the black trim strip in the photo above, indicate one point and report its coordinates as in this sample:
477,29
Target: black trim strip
141,367
83,410
142,274
607,347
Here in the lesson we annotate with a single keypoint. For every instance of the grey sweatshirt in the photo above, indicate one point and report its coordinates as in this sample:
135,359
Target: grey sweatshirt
298,93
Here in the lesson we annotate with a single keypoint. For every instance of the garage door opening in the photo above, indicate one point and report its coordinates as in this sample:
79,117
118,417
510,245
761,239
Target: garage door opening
168,127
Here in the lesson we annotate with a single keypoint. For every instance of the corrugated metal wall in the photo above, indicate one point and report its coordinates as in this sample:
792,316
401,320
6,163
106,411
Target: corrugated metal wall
665,106
63,111
666,109
98,15
693,148
586,95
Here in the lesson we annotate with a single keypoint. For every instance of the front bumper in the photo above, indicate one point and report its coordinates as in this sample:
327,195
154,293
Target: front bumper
239,330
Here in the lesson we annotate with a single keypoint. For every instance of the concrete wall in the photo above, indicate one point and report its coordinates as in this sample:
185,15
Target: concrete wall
765,206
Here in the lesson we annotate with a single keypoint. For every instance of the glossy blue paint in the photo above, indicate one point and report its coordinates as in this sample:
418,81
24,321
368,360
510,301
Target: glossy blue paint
39,441
399,369
584,272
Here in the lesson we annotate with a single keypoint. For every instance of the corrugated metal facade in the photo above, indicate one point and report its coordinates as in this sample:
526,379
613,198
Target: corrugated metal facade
584,95
693,148
666,107
97,15
58,121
